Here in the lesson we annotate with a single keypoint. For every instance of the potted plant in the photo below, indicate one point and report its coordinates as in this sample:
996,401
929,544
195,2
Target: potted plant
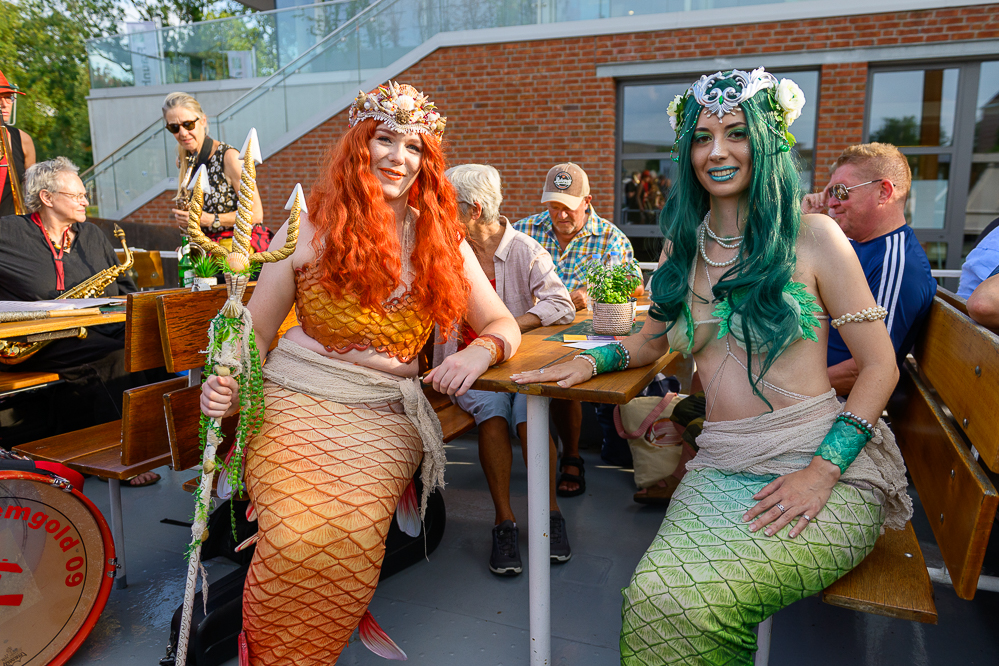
205,269
610,288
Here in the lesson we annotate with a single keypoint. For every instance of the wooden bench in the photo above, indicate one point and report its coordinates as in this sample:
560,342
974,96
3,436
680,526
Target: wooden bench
148,267
137,443
943,415
13,382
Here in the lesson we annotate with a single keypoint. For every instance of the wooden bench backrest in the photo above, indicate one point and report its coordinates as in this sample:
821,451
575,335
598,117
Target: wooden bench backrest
183,412
955,492
143,428
148,267
143,345
184,319
960,360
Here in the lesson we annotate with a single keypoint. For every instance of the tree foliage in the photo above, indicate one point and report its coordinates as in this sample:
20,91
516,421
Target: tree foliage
43,51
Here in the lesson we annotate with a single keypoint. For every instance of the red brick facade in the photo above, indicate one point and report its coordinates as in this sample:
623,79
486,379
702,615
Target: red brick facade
524,106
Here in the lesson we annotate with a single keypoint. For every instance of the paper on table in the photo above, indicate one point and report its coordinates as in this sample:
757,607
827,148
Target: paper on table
642,308
64,304
585,345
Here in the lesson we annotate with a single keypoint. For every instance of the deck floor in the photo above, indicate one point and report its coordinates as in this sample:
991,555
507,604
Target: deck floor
453,611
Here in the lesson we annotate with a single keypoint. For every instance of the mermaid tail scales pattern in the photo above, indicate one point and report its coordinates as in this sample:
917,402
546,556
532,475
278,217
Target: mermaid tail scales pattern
706,580
325,479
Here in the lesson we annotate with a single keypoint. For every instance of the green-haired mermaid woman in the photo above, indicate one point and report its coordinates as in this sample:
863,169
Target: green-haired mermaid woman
789,489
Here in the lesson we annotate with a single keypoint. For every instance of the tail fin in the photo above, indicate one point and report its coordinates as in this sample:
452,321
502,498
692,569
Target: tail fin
376,640
407,514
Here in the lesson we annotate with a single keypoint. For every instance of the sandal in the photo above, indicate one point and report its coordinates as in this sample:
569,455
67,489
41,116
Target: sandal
571,478
658,495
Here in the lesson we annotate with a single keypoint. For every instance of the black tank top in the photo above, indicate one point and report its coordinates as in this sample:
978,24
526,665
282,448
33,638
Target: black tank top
7,197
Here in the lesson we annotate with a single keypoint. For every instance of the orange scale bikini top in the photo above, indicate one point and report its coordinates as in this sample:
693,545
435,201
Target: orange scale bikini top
342,324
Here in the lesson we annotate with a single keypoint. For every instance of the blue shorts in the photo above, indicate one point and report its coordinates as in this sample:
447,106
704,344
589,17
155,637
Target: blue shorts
484,405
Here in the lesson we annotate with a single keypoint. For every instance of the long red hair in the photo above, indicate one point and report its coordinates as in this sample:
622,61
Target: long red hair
356,246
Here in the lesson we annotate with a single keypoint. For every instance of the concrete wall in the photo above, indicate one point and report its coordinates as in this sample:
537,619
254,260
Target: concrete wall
525,106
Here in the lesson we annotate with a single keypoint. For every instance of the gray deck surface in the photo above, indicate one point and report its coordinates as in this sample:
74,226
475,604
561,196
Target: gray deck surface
453,611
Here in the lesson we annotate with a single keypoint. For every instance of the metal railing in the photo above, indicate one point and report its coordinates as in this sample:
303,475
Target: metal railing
378,34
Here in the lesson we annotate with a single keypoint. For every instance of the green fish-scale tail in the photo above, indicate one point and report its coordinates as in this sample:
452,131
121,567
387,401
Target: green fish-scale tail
707,581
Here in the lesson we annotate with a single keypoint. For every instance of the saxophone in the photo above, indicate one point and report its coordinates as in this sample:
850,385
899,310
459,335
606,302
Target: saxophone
12,353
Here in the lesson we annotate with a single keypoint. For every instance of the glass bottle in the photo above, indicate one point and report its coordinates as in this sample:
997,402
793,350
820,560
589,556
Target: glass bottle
185,268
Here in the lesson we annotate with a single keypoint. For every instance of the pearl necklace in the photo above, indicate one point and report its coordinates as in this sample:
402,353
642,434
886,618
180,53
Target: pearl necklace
704,255
727,242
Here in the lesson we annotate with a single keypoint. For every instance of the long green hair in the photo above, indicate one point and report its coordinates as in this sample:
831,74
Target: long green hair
753,286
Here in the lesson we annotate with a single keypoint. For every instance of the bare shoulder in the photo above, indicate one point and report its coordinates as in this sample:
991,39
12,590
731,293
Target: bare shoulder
304,252
820,234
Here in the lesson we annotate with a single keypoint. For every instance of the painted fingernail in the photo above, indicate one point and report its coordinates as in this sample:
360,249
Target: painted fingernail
769,532
753,528
793,535
745,517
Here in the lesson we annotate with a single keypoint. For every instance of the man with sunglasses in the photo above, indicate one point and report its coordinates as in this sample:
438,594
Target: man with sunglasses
21,146
866,196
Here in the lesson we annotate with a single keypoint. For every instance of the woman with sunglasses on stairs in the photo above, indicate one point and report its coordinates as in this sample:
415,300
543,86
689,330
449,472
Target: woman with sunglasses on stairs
189,125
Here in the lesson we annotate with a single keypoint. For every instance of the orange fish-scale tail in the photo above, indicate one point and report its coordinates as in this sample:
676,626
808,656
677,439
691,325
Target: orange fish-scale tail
325,479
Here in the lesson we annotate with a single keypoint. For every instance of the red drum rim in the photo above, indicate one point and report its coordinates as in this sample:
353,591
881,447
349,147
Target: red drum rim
109,566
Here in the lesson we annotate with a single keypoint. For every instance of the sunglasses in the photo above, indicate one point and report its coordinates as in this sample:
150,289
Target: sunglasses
173,128
842,192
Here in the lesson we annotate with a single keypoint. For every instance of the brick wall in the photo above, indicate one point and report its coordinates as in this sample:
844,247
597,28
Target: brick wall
523,107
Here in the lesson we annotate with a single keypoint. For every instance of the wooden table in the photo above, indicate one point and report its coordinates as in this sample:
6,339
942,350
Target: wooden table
614,388
18,329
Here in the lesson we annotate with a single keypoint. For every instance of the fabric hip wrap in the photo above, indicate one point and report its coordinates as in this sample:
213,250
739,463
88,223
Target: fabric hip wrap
299,369
785,441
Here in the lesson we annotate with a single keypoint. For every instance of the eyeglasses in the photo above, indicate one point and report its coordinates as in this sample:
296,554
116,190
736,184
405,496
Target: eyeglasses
842,192
173,128
8,97
78,198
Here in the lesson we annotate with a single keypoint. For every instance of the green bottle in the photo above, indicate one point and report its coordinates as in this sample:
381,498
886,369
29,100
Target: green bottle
185,269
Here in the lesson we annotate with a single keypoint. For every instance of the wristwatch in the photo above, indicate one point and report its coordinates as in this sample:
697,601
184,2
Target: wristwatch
216,224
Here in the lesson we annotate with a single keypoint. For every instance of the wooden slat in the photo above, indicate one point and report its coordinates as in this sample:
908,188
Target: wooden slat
13,381
148,267
107,464
958,497
64,448
892,580
953,299
183,320
960,359
143,425
143,347
183,410
437,400
18,329
455,422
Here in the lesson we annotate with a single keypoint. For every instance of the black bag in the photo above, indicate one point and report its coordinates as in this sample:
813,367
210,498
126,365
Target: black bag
214,635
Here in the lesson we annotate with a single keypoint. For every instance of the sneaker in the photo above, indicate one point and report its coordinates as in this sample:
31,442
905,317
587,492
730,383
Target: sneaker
559,548
505,560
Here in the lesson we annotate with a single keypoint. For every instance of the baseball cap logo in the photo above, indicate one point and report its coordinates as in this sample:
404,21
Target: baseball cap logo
562,180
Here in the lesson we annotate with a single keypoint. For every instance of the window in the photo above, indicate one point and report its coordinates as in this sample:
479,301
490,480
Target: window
945,119
645,138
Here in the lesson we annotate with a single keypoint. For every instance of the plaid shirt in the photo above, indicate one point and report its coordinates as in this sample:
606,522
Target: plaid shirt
596,240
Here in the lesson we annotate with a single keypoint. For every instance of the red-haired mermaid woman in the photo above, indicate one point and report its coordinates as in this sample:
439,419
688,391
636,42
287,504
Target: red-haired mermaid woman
788,490
381,259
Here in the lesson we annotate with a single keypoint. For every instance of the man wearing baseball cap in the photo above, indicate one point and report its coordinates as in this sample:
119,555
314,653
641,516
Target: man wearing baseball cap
575,236
22,148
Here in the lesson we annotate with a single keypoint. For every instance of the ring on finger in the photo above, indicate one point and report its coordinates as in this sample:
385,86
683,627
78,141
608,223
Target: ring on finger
541,371
781,507
807,518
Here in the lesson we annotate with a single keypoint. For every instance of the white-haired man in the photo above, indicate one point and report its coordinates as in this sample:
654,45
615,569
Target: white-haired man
524,276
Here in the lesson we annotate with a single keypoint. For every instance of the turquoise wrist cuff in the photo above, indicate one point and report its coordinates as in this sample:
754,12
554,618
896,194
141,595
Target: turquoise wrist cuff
843,443
608,357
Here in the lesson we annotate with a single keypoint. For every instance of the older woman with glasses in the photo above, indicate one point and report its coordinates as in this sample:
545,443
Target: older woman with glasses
188,123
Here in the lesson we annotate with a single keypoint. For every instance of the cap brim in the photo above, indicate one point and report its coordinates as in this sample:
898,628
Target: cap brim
5,89
570,201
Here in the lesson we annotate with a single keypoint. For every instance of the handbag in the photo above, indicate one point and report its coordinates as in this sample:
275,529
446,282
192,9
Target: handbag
655,441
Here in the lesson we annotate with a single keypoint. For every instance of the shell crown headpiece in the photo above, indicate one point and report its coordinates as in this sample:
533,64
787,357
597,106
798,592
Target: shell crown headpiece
785,99
402,107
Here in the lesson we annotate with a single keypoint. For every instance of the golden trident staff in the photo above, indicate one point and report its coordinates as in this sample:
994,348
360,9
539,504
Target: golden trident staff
232,351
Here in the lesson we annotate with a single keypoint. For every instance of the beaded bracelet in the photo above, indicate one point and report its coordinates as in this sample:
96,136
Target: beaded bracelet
593,362
861,424
867,314
626,361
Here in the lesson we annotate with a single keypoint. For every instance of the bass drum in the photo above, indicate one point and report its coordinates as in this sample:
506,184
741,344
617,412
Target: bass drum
57,565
